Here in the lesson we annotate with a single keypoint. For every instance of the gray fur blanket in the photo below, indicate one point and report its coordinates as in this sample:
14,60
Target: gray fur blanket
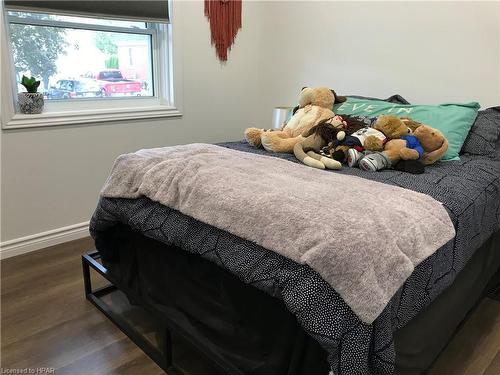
363,237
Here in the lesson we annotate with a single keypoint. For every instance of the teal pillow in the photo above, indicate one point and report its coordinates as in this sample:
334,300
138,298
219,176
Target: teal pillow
453,120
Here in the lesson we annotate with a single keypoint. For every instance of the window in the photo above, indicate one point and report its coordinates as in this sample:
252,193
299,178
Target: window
89,65
94,58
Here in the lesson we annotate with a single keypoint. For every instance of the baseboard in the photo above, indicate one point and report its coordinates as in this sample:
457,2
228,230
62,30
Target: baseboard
42,240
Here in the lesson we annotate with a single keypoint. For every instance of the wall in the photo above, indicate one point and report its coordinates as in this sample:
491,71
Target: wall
51,177
428,52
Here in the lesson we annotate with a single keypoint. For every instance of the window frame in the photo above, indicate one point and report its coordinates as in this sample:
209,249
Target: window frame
90,110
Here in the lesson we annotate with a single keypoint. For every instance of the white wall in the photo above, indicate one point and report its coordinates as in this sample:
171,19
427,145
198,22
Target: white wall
428,52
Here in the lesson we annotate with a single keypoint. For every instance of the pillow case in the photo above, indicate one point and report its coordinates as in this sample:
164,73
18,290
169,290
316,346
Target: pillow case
453,120
484,133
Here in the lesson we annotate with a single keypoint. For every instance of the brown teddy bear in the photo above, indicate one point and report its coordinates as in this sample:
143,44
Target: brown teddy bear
426,144
315,105
393,127
434,143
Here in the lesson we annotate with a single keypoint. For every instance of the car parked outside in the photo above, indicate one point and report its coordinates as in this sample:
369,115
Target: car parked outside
73,88
113,83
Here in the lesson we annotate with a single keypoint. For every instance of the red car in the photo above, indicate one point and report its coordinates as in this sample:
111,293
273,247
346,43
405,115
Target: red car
112,82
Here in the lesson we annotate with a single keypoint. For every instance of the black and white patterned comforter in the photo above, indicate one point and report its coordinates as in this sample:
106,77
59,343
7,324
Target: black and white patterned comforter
469,189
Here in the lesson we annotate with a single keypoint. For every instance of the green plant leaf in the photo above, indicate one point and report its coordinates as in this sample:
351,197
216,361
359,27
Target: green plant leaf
31,84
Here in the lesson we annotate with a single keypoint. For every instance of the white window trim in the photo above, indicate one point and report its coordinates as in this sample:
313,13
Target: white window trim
162,105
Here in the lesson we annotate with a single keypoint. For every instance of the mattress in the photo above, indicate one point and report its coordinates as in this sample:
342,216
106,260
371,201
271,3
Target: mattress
468,189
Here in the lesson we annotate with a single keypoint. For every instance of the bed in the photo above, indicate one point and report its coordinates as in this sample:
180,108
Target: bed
260,313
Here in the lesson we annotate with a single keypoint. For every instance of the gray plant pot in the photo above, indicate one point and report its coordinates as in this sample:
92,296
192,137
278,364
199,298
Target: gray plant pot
30,103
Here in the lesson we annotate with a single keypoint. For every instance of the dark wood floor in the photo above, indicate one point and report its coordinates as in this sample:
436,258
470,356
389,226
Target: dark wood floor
47,322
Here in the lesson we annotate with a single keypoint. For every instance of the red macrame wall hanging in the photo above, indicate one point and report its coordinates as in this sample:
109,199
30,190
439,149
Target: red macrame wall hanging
225,21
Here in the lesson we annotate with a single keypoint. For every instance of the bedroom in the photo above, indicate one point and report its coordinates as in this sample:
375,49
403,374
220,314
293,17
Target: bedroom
54,165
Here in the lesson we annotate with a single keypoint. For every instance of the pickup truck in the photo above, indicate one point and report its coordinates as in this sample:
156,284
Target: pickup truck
112,82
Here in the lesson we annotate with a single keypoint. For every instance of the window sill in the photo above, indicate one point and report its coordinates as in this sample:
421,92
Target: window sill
21,121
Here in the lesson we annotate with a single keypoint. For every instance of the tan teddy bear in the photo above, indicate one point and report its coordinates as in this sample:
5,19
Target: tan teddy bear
315,105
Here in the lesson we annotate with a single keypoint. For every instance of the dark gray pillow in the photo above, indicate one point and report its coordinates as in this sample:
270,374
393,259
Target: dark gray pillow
483,135
396,98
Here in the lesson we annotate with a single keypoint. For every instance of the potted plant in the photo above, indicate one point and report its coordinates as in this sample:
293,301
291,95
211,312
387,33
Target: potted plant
30,102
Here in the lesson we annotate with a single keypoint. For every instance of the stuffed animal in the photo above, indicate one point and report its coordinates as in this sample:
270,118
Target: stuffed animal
393,127
426,145
410,166
434,143
307,150
357,129
315,105
367,138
